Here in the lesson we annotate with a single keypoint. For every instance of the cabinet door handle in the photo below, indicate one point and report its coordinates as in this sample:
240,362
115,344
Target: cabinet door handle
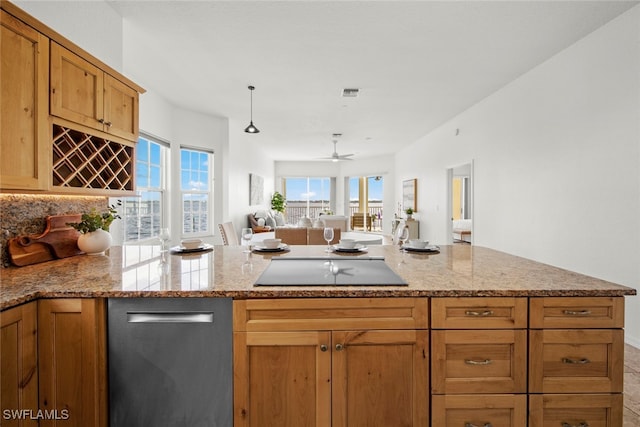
577,313
479,313
339,347
101,121
580,424
571,361
324,347
468,424
108,124
478,362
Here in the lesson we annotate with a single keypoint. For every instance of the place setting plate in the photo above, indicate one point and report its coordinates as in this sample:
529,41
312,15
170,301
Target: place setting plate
182,250
426,249
355,250
283,247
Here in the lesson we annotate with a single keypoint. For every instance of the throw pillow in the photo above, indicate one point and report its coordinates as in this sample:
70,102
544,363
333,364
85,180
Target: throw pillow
279,219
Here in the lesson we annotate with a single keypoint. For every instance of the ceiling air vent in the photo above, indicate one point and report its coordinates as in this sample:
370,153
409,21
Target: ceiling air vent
350,93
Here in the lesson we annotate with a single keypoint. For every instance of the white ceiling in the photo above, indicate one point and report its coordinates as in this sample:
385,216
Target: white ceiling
417,63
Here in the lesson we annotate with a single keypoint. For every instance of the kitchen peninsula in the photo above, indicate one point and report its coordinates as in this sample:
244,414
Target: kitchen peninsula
517,341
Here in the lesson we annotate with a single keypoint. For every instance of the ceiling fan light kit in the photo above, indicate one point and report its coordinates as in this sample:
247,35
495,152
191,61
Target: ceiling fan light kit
335,157
251,128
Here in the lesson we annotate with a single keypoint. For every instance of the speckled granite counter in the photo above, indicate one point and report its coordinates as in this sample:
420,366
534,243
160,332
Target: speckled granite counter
141,271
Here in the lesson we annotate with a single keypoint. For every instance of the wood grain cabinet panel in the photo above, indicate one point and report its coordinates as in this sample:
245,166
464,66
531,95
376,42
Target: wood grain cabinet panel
579,410
579,313
19,364
496,410
25,153
576,361
82,93
72,361
479,313
487,361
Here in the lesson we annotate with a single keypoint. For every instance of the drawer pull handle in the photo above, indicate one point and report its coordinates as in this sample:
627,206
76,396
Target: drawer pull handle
577,313
478,362
479,313
468,424
571,361
580,424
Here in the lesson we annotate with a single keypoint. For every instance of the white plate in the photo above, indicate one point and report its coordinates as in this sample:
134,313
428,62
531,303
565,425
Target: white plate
281,248
183,250
358,248
428,248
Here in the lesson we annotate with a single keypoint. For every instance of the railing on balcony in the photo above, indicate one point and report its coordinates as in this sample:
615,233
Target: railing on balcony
297,210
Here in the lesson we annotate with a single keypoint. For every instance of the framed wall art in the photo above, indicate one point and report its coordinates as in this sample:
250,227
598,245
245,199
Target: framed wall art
256,189
409,194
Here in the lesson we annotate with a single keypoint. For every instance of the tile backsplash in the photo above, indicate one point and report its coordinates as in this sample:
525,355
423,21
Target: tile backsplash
24,214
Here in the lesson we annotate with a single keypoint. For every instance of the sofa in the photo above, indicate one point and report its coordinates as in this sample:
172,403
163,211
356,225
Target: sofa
305,236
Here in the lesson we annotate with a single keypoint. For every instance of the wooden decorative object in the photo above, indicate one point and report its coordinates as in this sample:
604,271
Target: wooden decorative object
82,160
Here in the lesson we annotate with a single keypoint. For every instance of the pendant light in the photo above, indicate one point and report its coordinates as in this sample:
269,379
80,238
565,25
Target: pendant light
251,128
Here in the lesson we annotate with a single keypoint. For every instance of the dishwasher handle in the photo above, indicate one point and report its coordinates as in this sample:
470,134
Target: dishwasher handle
170,317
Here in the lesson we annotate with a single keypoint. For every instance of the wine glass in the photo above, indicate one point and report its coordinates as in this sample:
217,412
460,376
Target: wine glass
328,236
165,236
403,236
246,234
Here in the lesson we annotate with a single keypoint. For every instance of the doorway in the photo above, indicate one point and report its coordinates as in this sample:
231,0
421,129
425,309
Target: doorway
460,209
366,203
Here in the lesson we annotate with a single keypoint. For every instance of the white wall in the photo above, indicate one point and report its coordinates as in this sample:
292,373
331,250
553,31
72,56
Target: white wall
556,162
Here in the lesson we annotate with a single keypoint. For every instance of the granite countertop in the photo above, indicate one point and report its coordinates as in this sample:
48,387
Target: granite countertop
143,271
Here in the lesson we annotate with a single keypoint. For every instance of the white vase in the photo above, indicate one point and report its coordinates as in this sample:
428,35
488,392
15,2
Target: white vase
95,242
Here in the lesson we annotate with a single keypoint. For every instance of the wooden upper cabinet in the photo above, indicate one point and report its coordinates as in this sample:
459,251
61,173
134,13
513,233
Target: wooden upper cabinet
25,151
82,93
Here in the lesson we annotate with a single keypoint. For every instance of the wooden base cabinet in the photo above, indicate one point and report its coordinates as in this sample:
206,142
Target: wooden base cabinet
19,365
72,362
497,410
325,363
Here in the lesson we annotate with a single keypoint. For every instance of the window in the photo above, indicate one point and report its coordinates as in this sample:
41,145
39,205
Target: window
143,216
307,197
196,191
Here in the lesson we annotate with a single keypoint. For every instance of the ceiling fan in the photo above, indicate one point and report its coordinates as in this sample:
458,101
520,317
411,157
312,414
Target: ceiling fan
335,157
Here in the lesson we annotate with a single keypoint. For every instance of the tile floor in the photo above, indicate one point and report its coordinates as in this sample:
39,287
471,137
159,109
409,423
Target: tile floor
631,386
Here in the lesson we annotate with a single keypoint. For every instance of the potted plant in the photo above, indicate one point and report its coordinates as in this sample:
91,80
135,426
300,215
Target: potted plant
278,203
409,212
94,236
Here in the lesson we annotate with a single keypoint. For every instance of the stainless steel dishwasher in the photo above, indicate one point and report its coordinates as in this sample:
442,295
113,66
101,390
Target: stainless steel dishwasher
170,362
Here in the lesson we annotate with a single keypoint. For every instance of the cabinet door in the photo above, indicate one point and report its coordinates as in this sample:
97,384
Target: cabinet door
72,361
120,109
77,92
586,410
380,378
18,364
25,133
282,379
482,410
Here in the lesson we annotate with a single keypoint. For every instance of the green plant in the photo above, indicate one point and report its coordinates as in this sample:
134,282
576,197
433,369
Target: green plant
94,220
408,211
278,203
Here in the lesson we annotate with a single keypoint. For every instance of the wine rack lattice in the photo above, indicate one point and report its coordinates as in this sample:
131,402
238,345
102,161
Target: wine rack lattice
82,160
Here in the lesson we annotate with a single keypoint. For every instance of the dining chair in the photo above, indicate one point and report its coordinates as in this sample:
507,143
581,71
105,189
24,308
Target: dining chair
316,236
292,235
228,233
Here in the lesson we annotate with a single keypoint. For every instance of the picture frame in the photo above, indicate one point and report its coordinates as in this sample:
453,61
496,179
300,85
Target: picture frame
256,189
409,194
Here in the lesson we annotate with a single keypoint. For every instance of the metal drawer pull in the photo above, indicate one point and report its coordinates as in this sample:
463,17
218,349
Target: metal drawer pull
478,362
170,317
479,313
577,313
468,424
581,424
568,360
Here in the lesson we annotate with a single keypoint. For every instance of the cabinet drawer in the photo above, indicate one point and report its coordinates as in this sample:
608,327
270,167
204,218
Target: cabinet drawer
480,410
564,313
330,314
478,313
595,410
466,362
576,361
